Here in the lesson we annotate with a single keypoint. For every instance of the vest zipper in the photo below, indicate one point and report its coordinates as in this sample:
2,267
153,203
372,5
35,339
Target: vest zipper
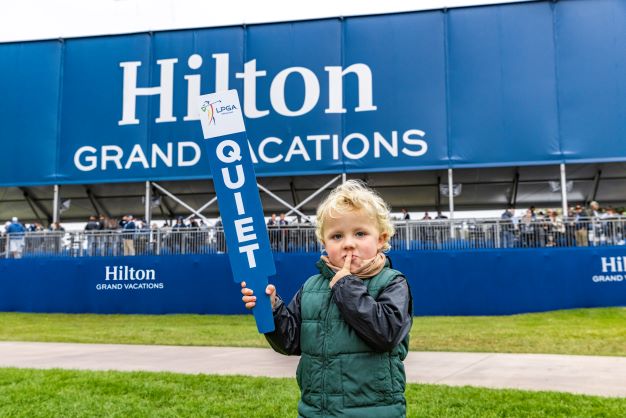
325,351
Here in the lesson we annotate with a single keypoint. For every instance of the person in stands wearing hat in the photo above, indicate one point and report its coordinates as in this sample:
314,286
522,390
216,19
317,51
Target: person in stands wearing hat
15,232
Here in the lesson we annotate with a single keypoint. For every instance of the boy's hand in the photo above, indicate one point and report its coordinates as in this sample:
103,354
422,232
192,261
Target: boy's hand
345,270
250,300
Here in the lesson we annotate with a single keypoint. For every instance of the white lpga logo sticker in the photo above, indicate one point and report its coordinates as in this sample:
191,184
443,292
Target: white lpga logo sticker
221,117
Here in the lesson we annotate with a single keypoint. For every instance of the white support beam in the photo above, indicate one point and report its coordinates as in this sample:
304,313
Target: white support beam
284,203
203,207
563,190
180,202
318,191
148,206
55,204
451,201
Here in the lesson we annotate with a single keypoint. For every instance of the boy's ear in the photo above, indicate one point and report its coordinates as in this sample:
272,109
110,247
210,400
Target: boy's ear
382,238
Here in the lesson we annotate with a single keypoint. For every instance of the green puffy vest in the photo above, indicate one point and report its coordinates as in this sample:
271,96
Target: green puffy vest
339,374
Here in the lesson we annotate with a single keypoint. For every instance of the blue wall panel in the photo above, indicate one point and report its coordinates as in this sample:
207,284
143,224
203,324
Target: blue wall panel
485,282
592,85
30,76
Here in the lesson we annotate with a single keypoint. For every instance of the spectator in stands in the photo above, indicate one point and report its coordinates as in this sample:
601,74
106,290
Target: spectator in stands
581,225
440,215
56,227
612,228
92,224
405,215
527,229
507,227
284,234
594,209
57,240
556,229
220,241
15,232
92,240
179,225
596,233
426,217
128,232
274,236
102,221
36,227
177,238
570,227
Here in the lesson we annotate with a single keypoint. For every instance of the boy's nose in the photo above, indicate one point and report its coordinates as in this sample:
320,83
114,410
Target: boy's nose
348,243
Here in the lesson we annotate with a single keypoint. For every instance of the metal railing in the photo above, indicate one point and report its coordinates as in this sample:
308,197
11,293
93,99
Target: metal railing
458,234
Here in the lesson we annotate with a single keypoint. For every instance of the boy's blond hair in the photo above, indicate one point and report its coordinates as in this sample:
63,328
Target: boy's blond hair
351,196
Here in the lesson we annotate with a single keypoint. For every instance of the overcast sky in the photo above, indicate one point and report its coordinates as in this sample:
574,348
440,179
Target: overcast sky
22,20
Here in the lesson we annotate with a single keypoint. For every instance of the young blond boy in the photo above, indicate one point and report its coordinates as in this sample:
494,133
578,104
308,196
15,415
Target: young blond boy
350,323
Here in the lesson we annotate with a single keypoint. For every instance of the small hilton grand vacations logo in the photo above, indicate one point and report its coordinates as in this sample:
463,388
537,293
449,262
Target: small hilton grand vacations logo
133,278
611,266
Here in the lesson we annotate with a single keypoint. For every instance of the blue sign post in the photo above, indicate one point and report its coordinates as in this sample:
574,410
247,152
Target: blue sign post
235,184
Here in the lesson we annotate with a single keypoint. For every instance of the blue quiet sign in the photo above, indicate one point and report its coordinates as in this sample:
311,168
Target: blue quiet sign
238,196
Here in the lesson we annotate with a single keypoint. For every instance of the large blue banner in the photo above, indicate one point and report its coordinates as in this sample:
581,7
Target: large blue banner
480,282
515,84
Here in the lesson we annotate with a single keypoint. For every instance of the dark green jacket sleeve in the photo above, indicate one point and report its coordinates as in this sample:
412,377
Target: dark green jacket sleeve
285,339
383,322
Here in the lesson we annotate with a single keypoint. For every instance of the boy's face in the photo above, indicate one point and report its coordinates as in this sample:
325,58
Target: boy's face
353,231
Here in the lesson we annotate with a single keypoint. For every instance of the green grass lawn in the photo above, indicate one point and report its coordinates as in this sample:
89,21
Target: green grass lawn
599,331
64,393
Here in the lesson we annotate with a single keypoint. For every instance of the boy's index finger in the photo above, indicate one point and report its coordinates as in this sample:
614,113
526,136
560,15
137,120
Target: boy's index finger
347,261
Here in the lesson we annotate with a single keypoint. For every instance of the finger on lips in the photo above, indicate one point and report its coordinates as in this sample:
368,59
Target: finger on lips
348,260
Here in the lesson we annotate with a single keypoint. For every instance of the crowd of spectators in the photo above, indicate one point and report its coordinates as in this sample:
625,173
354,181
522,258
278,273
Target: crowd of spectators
583,226
13,239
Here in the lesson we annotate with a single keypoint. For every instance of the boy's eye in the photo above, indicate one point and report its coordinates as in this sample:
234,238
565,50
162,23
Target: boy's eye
336,236
361,234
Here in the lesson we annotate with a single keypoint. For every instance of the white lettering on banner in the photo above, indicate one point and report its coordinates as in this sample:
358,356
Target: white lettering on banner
311,91
129,286
165,89
610,266
111,156
613,264
128,273
193,81
262,153
297,148
130,91
353,146
608,278
228,151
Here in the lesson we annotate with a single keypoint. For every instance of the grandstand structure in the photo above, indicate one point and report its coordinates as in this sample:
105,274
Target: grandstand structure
484,106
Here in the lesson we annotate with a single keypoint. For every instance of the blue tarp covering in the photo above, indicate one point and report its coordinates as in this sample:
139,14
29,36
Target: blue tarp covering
514,84
480,282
